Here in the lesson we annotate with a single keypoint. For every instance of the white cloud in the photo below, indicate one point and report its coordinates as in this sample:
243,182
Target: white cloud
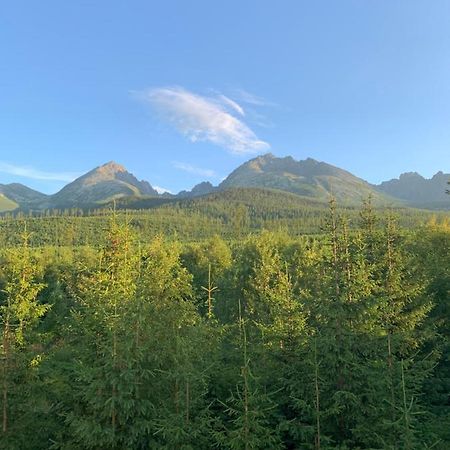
193,169
251,99
202,118
35,174
161,190
232,104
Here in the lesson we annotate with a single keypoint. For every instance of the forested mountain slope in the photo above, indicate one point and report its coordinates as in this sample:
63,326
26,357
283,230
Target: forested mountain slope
230,213
20,195
306,179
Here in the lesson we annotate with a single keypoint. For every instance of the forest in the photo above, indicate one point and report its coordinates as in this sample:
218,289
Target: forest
180,330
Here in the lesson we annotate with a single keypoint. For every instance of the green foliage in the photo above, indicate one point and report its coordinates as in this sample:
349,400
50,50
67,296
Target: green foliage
114,336
249,407
20,311
232,214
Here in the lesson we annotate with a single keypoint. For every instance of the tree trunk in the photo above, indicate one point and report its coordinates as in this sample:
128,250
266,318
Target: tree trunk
5,377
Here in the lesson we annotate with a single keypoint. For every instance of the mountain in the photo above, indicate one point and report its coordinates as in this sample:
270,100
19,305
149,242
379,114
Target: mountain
419,191
308,178
16,194
202,188
100,185
6,204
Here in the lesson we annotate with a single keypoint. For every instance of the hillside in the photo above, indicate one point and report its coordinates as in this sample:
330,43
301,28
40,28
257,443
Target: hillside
258,200
419,191
308,178
229,213
100,185
6,204
19,195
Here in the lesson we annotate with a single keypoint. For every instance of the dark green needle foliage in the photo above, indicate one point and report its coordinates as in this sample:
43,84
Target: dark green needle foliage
221,324
249,407
21,352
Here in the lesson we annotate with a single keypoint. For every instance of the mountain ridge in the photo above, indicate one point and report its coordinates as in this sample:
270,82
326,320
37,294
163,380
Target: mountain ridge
411,186
21,195
307,178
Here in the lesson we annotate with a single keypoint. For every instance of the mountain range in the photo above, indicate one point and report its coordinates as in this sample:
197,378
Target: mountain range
306,178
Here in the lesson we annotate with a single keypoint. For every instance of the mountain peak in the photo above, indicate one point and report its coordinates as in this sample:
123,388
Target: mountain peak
266,156
415,189
111,167
410,175
100,185
307,177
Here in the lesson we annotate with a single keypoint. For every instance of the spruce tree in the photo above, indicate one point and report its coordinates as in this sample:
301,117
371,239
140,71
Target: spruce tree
249,407
100,333
20,311
395,366
338,315
176,352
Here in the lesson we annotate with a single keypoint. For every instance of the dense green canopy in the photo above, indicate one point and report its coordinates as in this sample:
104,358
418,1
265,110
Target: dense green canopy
223,334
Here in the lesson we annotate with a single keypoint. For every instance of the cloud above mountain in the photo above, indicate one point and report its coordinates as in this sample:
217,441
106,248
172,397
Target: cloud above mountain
162,190
35,174
209,173
216,118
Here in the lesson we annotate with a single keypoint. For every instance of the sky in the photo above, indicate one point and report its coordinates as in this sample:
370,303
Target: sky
185,91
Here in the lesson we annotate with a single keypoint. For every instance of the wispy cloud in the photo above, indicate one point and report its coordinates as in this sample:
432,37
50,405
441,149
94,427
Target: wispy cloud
216,119
209,173
232,104
35,174
246,97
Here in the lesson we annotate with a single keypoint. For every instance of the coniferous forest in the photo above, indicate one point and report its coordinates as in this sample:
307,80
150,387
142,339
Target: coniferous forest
267,339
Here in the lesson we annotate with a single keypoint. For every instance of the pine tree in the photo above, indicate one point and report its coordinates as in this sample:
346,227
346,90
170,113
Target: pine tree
101,332
431,250
278,321
20,311
396,336
208,263
249,407
177,350
338,315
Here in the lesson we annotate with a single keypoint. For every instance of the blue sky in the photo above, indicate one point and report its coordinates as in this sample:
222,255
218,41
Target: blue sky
185,91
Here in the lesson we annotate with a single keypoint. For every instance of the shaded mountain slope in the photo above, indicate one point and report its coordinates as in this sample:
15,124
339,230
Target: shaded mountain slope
19,195
308,178
419,191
